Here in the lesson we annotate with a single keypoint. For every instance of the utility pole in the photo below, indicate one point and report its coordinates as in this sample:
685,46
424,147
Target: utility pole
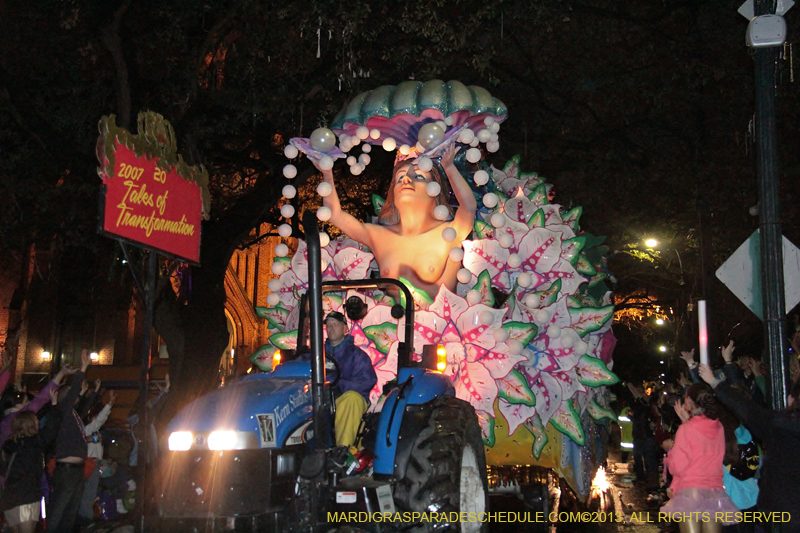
771,236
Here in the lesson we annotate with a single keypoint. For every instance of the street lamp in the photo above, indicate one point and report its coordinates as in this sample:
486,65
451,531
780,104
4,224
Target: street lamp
662,348
651,243
660,321
45,356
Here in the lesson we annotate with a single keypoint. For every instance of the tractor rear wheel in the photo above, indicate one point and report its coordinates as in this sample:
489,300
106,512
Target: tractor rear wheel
446,472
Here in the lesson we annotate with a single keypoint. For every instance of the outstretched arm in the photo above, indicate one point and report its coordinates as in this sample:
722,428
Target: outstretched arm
350,225
465,214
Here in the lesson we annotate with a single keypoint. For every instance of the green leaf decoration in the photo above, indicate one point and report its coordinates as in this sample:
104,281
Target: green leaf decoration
501,195
571,248
521,331
262,357
487,427
421,298
572,217
567,421
514,388
276,316
383,335
483,230
593,372
377,204
597,278
583,266
284,341
575,301
484,286
511,168
550,295
599,413
540,438
537,220
588,319
539,195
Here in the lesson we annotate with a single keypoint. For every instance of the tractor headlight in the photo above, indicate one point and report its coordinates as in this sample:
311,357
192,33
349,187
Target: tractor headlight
180,441
222,440
441,358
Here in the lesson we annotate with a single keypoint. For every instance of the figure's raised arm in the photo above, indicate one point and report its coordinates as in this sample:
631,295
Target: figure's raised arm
350,225
465,214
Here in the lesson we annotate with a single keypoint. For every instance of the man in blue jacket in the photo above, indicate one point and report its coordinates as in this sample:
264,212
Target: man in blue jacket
356,378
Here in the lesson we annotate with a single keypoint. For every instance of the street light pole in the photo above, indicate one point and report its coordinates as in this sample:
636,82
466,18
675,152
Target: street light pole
771,236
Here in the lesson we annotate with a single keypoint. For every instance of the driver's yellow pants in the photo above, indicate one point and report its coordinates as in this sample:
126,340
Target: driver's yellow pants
350,407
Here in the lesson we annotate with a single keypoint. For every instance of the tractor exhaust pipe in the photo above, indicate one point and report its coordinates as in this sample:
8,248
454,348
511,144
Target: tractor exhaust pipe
320,400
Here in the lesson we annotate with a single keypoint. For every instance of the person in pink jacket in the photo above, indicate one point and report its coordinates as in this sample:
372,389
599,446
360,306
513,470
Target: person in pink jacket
698,502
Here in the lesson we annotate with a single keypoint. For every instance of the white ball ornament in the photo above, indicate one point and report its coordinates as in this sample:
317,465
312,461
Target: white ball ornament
525,280
356,169
364,159
449,120
273,299
553,331
514,260
481,177
486,318
322,140
500,335
326,163
475,142
515,347
275,285
431,135
494,128
498,220
374,133
433,189
456,255
425,164
464,276
324,189
355,141
494,138
389,144
285,231
324,213
287,211
484,135
492,147
449,234
405,149
367,148
466,136
440,212
346,146
542,316
281,250
488,121
351,160
278,268
289,192
290,151
324,239
490,200
420,149
473,155
362,132
506,240
532,300
289,171
567,341
474,297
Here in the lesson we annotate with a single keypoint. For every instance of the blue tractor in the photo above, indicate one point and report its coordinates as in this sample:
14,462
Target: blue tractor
257,455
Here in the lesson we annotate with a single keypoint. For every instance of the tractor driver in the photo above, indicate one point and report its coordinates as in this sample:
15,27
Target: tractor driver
356,378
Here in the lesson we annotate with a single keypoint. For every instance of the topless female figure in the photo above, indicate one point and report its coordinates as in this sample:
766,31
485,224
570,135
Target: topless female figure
412,246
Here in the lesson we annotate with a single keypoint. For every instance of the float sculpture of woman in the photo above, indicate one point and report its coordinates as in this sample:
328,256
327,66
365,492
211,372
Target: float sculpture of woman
409,241
413,239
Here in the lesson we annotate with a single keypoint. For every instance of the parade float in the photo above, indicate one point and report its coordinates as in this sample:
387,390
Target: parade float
527,327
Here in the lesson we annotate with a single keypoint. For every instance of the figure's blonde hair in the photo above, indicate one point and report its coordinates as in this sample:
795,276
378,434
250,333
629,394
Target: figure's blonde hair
389,215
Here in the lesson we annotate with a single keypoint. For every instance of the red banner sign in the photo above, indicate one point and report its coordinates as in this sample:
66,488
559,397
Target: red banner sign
157,209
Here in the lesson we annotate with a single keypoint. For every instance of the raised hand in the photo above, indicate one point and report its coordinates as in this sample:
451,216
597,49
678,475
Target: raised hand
54,396
112,397
681,411
166,382
449,155
688,357
85,360
707,375
97,384
727,352
84,388
66,370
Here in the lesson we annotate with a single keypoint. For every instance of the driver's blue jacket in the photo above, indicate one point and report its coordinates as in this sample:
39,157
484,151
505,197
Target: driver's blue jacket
355,367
